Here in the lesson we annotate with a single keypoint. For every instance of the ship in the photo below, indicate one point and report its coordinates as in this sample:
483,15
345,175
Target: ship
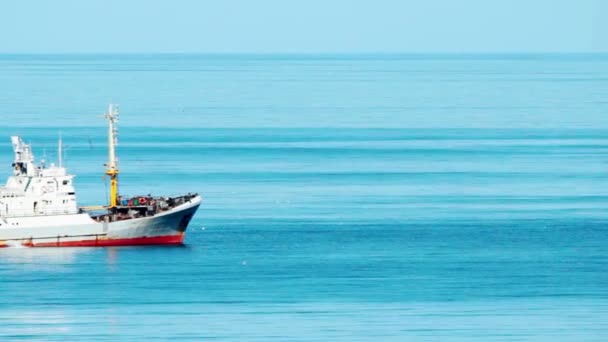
38,206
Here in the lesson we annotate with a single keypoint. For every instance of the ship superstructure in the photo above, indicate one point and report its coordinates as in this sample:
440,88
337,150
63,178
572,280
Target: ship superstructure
38,206
35,190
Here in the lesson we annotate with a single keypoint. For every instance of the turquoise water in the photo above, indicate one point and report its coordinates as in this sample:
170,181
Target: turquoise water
346,198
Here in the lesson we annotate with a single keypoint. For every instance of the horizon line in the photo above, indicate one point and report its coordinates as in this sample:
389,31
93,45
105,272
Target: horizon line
312,53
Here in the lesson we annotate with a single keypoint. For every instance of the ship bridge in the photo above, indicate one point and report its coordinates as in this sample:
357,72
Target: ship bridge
36,190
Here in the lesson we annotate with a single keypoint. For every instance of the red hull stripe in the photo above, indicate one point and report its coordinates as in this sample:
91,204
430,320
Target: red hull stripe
105,242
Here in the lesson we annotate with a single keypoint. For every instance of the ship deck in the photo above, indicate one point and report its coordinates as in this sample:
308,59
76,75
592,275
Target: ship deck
134,209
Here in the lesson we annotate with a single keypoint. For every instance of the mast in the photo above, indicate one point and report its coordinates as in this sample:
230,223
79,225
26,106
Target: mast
112,165
60,151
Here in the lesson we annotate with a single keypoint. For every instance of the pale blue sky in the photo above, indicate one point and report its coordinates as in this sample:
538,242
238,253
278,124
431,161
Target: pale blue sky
311,26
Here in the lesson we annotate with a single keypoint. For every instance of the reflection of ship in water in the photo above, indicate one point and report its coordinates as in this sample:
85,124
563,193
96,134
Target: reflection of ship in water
38,207
37,259
53,259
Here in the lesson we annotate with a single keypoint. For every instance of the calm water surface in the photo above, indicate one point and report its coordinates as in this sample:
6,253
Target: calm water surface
346,198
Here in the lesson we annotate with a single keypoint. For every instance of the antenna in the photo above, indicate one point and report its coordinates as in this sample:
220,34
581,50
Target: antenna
60,151
43,160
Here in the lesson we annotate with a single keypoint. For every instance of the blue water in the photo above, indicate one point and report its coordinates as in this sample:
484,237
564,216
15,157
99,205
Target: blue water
346,198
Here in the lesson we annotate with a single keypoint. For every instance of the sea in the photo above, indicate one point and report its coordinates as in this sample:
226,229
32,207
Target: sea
371,197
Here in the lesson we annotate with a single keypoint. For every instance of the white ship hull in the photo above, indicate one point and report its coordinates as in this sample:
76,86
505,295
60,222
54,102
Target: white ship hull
79,230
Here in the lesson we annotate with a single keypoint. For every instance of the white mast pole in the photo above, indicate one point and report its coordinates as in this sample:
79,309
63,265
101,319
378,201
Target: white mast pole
111,138
60,151
111,167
